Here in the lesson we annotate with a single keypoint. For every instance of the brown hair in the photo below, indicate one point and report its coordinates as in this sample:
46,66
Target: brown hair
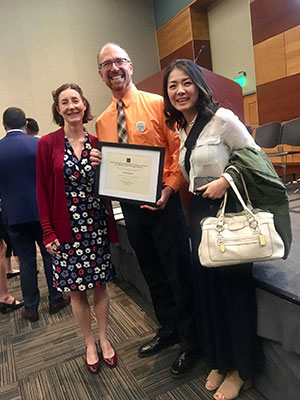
56,116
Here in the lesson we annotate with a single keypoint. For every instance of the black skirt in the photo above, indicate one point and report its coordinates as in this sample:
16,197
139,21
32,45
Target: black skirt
225,304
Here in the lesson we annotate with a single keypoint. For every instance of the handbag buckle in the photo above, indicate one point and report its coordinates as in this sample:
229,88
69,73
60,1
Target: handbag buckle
222,247
220,223
252,222
262,239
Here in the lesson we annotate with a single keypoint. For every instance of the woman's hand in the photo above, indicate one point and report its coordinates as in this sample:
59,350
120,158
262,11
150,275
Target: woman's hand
53,247
95,157
215,189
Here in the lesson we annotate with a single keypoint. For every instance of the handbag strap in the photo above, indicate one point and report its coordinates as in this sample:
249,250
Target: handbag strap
221,215
243,182
190,141
229,179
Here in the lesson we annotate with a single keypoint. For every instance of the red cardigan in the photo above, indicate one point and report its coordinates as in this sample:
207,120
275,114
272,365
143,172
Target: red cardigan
51,192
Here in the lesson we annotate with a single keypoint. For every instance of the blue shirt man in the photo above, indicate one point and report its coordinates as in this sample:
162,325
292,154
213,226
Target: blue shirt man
20,211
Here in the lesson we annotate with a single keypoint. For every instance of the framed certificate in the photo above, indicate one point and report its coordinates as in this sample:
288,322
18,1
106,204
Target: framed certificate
130,173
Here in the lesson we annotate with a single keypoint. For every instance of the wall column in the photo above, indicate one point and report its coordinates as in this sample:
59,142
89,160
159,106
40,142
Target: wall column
184,35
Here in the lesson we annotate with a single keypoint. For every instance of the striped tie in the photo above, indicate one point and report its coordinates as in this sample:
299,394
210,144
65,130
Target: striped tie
121,123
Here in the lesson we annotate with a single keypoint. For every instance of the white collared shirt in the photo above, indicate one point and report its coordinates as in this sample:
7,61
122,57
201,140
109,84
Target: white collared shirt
223,134
14,130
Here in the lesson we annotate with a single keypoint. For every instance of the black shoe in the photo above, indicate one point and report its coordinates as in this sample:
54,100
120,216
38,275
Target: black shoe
59,304
10,275
7,307
182,365
157,344
32,316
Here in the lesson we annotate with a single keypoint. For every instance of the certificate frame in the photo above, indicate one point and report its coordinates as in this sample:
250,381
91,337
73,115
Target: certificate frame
130,173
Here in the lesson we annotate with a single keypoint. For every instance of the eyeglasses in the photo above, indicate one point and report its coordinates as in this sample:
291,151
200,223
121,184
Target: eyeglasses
117,61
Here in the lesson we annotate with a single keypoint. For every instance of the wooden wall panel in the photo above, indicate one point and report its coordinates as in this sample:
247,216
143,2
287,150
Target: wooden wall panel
204,58
292,50
190,51
279,100
292,159
225,91
270,60
202,4
271,17
250,110
199,22
186,51
175,33
276,38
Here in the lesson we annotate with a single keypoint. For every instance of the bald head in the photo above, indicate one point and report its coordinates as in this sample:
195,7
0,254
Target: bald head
111,46
115,69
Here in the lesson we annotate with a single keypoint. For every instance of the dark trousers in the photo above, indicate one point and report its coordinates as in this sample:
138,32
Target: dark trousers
160,241
24,238
225,303
4,235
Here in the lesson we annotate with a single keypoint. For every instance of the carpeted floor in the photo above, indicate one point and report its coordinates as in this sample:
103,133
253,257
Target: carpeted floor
45,360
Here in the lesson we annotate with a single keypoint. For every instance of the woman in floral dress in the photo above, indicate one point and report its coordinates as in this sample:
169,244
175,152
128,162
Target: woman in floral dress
74,222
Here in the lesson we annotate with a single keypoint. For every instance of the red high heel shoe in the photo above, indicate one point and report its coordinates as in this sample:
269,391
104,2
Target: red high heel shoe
111,362
93,368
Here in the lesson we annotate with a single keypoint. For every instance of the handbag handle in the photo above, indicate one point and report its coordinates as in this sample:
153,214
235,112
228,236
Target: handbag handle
243,183
251,218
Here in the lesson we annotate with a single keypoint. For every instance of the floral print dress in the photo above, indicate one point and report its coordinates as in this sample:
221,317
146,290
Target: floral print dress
84,263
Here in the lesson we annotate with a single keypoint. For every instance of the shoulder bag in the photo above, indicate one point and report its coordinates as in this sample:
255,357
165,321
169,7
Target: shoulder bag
237,238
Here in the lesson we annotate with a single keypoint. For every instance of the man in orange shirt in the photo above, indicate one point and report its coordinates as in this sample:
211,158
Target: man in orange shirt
157,234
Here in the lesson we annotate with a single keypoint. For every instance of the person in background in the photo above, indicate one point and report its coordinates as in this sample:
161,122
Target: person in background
32,128
157,234
74,222
10,271
20,212
224,296
7,301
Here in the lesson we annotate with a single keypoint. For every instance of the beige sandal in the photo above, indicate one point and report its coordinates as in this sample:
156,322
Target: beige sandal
231,387
214,380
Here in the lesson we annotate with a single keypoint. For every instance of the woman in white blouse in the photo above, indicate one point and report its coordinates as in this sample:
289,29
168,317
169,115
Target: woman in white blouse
225,297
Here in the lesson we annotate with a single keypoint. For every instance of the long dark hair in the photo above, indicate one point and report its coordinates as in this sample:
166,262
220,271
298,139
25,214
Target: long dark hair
56,115
204,105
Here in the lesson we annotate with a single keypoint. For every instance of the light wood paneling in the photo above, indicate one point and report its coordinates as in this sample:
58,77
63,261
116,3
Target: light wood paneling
277,64
291,159
292,49
202,4
199,24
294,158
269,58
250,110
189,26
277,161
175,33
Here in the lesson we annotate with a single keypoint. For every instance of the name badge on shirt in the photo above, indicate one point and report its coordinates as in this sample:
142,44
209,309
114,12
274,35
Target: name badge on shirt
140,126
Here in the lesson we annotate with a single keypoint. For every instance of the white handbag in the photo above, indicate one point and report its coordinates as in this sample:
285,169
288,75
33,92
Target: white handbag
236,238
